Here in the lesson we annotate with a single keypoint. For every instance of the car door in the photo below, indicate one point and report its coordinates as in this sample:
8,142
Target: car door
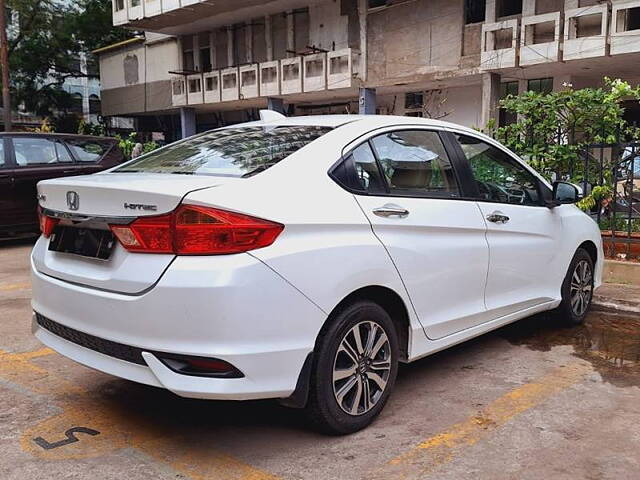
6,189
522,233
407,187
36,158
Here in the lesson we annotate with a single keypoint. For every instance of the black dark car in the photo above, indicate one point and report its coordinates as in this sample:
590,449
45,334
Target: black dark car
27,158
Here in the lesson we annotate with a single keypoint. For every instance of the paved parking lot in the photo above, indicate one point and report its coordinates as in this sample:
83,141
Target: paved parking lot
530,401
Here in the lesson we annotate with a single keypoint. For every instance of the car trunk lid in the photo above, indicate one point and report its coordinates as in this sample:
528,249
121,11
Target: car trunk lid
87,206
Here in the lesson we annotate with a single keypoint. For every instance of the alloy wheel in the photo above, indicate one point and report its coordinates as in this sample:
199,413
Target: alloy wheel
361,368
581,287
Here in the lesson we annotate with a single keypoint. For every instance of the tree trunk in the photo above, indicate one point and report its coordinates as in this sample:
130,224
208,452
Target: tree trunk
4,65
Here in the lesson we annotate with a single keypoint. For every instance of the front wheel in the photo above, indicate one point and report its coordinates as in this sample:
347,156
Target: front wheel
577,289
355,369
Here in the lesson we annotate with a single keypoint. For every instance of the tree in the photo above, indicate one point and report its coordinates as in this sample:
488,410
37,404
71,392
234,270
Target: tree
554,128
46,48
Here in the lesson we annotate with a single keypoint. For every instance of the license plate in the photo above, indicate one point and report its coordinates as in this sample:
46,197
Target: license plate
82,241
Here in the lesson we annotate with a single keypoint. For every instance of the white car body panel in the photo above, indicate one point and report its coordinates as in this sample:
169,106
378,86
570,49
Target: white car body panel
430,247
262,311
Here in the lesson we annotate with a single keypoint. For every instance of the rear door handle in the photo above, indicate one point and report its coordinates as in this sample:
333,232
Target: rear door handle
497,217
391,210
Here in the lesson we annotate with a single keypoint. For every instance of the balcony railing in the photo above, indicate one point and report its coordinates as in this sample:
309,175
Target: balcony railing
295,75
539,39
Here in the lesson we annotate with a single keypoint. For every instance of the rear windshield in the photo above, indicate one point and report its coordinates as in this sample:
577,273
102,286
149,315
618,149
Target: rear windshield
233,152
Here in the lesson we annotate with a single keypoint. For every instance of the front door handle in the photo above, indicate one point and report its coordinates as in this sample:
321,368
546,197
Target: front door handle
391,210
498,217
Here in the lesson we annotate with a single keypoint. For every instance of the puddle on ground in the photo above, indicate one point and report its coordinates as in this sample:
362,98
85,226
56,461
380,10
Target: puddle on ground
611,342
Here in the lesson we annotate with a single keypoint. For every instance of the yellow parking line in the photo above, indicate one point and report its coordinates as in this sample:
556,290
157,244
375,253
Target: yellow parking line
118,427
444,446
15,286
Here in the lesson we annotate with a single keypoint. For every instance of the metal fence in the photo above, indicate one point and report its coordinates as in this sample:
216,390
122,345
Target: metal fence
618,215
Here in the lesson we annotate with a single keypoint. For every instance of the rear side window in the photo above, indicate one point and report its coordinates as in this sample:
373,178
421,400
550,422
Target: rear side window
2,162
368,177
414,162
233,152
90,151
39,151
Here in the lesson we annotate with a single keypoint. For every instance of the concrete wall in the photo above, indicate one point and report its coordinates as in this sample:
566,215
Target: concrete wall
136,79
413,38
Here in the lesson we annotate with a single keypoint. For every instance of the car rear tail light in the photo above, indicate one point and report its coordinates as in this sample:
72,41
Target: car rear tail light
200,366
195,230
47,224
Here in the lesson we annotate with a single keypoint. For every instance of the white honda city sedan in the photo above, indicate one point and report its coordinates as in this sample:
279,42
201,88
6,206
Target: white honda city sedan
303,258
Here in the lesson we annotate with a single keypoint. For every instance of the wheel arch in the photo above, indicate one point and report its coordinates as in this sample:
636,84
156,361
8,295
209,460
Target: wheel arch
390,301
591,249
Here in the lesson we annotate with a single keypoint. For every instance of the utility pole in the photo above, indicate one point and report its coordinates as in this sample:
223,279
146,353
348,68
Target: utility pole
4,65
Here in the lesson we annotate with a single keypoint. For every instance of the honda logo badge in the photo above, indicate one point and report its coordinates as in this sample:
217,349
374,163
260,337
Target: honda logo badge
73,200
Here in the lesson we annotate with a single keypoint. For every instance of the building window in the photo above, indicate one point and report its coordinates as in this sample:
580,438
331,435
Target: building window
205,51
135,3
413,100
188,58
508,8
76,103
94,104
505,117
474,11
540,85
118,5
628,19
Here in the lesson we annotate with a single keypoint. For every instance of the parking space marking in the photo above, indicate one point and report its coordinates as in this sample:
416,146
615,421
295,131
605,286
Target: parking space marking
9,287
84,411
445,446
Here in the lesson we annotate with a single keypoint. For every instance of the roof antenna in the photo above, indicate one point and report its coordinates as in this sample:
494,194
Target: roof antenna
270,116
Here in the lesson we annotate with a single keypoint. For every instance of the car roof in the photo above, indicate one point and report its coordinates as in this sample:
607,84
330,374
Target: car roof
57,135
366,121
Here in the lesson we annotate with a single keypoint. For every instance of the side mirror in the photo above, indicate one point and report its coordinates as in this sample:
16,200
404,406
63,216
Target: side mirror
563,193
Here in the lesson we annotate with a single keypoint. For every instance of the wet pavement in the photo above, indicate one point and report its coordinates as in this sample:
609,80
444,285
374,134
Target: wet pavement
609,341
530,401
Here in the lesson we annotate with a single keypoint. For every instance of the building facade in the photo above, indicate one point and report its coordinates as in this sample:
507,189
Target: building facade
202,64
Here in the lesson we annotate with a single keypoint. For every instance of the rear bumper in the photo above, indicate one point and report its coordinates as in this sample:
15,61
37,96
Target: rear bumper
229,307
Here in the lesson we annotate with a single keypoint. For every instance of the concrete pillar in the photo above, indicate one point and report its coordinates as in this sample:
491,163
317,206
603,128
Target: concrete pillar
248,41
491,11
268,37
187,122
490,98
291,33
275,104
231,61
528,8
363,7
367,101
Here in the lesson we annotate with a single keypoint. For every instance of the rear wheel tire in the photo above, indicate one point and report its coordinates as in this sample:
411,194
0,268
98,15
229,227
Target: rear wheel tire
577,290
355,367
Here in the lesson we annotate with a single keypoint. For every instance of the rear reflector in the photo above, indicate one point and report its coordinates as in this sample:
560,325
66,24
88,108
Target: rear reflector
47,224
200,366
195,230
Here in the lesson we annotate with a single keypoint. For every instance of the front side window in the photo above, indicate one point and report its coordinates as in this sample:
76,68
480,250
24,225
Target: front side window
498,176
231,152
39,151
2,162
415,163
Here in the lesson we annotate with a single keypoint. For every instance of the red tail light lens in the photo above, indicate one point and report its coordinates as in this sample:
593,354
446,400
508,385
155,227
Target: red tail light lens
47,224
194,230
